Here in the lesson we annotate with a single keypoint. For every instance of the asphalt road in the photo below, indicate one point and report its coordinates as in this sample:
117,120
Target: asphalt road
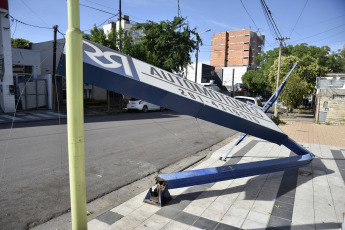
120,149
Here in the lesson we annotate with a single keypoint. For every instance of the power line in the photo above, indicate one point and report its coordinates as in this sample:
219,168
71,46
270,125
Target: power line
34,12
319,33
96,3
269,22
27,24
333,35
97,9
249,14
299,17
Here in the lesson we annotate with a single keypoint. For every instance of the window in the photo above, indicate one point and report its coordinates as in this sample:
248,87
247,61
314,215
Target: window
339,97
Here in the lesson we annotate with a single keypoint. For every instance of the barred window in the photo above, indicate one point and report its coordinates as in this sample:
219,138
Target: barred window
339,97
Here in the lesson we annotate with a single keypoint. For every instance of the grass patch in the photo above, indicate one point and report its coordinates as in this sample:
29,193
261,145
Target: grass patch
277,121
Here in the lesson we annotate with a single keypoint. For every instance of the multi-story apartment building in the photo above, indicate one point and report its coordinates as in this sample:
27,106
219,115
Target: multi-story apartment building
236,48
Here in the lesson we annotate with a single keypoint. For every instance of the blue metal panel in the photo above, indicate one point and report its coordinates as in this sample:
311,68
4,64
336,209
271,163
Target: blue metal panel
116,72
209,175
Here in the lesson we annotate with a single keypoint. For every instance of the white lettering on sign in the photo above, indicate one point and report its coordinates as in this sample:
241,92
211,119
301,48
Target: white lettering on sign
107,55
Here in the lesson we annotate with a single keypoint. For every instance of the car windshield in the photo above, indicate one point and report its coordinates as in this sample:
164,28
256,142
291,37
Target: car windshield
134,99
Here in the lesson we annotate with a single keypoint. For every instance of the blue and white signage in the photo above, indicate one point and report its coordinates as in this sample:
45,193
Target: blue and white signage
120,73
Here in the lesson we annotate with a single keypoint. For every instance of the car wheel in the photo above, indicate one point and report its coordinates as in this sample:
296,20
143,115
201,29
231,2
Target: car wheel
145,109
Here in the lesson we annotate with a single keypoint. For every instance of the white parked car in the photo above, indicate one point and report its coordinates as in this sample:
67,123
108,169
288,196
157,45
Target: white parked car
254,100
140,105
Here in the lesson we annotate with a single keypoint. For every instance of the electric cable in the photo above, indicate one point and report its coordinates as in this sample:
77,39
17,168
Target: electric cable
299,17
27,24
318,33
249,14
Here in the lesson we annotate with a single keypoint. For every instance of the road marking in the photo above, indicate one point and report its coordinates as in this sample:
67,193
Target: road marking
43,115
31,117
11,117
56,114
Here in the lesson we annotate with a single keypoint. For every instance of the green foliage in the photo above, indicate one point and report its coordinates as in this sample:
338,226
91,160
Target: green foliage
327,62
19,43
255,81
168,44
296,85
336,61
277,121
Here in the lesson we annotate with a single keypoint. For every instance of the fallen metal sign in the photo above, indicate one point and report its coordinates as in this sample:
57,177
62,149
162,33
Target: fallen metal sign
120,73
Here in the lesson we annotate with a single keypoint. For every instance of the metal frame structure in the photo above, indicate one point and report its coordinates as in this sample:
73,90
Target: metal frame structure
120,73
269,104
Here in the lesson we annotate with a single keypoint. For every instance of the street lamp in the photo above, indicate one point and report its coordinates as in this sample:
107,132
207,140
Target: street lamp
196,54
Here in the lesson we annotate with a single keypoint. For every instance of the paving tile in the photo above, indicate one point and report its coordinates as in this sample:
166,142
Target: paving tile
186,218
109,217
221,226
258,217
168,212
212,215
123,209
303,227
234,221
174,225
181,202
279,222
263,206
155,222
205,224
126,223
237,211
282,213
286,199
203,203
219,207
249,224
194,209
97,225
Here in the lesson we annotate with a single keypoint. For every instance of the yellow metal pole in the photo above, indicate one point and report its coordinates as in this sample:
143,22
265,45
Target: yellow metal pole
75,117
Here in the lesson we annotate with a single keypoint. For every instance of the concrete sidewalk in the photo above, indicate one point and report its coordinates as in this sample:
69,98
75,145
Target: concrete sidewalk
306,198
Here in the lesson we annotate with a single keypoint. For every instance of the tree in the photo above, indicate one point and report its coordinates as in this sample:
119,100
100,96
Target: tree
296,86
19,43
326,61
336,61
168,44
255,81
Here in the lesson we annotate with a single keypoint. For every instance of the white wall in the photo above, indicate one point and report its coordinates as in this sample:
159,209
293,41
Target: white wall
190,72
227,75
28,58
48,78
46,53
6,99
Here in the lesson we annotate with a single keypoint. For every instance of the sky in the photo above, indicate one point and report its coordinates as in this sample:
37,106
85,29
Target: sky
315,22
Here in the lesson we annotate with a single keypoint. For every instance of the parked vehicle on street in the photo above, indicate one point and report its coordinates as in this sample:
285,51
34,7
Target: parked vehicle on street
254,100
240,87
140,105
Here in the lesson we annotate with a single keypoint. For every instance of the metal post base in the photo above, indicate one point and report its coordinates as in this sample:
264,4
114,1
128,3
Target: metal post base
158,196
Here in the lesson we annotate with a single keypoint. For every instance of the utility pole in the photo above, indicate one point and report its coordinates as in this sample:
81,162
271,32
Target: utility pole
278,76
197,51
233,83
120,36
196,59
75,117
55,92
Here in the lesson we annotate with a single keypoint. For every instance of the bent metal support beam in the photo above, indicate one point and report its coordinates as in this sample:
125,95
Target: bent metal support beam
123,74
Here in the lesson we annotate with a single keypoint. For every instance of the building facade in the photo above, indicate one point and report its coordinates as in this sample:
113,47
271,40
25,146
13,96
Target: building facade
126,25
330,99
236,48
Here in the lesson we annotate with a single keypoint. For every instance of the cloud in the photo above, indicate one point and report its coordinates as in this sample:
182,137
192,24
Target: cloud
220,24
